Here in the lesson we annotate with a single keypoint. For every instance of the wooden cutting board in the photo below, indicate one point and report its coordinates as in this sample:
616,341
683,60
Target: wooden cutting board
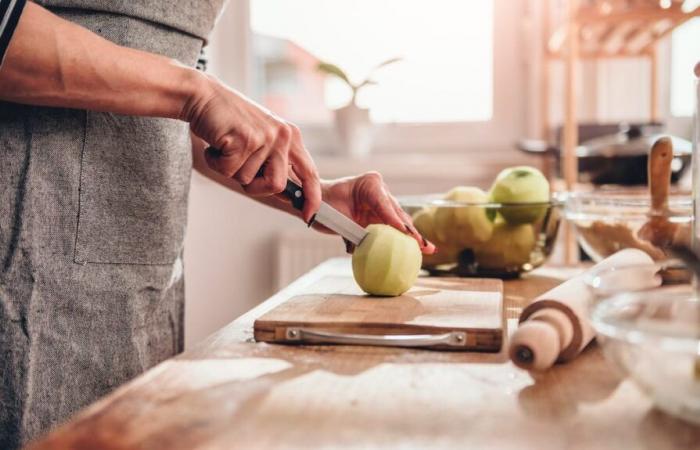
439,313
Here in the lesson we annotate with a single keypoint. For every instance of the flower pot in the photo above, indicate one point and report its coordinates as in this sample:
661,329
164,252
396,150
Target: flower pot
355,130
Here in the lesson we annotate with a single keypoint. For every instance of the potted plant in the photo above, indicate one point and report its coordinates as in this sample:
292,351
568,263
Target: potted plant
352,122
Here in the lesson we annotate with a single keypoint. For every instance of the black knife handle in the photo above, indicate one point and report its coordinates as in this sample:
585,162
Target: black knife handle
292,191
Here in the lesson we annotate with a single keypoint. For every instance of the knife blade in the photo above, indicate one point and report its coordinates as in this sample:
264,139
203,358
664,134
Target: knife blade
334,220
326,215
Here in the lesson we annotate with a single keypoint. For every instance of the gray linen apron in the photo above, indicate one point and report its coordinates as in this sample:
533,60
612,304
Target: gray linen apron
92,220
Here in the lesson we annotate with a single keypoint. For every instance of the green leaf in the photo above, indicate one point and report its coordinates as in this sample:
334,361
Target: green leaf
388,62
332,69
367,82
384,64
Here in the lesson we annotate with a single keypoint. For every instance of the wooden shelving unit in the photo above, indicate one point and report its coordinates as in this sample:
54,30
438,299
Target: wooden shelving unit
598,29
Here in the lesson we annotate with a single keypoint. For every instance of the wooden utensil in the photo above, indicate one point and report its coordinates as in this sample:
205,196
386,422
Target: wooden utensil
659,230
437,313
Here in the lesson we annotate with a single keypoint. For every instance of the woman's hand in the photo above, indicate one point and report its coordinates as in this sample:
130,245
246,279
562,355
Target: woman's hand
367,200
250,138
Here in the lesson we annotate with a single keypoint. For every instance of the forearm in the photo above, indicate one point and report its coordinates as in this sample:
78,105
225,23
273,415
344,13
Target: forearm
54,62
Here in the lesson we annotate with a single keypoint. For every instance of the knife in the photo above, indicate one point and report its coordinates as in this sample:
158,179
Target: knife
326,215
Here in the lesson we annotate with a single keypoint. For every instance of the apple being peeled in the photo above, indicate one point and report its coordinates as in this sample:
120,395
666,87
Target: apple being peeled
386,262
521,184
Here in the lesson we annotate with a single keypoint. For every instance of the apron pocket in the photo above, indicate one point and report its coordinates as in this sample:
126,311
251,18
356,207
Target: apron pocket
134,182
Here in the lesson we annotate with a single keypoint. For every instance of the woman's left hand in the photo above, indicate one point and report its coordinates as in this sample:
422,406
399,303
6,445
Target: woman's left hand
366,200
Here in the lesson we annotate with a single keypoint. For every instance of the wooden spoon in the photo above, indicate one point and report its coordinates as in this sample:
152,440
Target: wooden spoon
659,230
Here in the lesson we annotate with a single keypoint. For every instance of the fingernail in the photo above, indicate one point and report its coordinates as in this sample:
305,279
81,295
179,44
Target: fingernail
311,221
349,247
405,225
425,243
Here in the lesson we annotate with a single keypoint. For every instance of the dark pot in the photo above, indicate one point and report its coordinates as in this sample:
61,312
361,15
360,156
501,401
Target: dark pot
606,157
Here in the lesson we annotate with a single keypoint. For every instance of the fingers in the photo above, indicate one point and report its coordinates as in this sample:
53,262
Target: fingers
426,246
226,160
387,209
250,168
379,200
305,170
274,178
275,159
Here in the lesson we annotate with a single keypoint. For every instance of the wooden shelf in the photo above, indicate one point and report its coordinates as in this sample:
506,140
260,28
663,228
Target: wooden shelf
597,29
614,29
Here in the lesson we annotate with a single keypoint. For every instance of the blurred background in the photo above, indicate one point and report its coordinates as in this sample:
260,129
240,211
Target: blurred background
463,82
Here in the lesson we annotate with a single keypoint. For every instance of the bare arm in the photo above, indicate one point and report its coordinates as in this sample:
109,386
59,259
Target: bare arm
53,62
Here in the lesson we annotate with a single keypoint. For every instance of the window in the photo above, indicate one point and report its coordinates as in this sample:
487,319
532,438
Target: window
446,49
685,53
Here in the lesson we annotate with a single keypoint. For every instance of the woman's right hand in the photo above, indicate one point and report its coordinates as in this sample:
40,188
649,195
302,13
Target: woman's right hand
250,137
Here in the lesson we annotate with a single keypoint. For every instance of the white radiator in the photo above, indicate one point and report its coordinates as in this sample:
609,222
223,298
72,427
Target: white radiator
298,252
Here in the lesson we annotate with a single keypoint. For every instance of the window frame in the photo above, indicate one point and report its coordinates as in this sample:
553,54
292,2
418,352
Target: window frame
230,44
669,74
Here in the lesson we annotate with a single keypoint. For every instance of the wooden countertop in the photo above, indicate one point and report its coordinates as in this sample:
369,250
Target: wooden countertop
230,392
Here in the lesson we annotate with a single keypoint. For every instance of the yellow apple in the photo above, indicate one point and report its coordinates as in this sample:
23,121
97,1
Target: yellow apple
465,226
509,247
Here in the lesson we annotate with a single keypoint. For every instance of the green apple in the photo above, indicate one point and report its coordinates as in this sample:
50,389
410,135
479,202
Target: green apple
386,262
464,226
509,247
522,184
424,221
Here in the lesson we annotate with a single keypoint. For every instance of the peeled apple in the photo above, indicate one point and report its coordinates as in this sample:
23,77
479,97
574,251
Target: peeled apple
463,225
386,262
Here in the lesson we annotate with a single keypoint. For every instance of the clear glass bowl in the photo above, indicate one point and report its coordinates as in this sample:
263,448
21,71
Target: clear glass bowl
651,333
607,221
484,239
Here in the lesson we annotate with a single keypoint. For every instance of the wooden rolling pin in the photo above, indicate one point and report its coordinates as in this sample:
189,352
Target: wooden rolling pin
555,326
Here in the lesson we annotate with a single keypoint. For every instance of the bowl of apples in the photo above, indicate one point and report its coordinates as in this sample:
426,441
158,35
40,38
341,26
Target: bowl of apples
503,232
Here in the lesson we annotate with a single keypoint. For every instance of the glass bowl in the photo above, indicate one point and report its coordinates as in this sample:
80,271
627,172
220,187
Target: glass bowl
607,221
484,239
651,332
